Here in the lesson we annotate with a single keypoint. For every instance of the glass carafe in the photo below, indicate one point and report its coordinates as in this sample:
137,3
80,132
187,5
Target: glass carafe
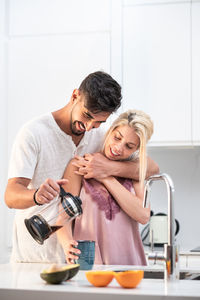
68,209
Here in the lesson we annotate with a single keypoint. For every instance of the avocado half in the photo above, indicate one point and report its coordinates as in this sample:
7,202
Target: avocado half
56,277
73,270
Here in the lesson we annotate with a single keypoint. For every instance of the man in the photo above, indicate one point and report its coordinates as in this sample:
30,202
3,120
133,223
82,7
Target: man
43,148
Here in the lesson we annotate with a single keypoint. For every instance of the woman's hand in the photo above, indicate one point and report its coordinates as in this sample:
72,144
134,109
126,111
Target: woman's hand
92,166
70,251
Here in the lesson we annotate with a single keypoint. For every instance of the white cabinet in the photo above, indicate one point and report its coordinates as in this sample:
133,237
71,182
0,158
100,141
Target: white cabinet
52,47
157,67
38,17
196,71
3,127
43,71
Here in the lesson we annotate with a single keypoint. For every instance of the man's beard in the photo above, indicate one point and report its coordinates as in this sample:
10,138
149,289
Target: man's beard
74,130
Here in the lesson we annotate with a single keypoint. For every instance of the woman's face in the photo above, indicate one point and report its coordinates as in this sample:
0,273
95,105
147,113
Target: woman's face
121,143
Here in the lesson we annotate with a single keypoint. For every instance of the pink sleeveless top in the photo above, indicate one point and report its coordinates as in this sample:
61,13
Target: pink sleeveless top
117,235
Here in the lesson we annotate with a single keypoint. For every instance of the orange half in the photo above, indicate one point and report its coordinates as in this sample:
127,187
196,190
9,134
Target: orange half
129,279
99,278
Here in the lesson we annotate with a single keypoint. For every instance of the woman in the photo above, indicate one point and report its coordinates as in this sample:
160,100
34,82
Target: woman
112,207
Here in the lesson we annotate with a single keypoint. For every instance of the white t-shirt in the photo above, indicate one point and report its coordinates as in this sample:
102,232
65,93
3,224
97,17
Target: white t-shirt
42,150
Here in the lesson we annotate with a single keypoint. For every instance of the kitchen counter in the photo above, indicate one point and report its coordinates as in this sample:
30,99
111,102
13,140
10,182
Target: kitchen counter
22,281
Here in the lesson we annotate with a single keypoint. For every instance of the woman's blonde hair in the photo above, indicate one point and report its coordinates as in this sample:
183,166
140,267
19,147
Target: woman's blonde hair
143,127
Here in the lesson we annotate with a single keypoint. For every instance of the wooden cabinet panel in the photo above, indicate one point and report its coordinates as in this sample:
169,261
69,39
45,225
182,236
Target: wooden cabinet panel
156,68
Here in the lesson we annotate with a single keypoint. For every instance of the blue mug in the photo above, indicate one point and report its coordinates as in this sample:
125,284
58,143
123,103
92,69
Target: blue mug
87,255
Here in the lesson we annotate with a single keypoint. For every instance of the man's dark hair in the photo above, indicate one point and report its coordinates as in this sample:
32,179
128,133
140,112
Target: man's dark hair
102,92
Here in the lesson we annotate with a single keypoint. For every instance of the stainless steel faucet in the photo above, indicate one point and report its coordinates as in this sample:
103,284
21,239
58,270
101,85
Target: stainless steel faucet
170,255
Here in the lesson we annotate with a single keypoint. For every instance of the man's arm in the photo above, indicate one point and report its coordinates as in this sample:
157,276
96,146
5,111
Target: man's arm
152,167
98,166
17,195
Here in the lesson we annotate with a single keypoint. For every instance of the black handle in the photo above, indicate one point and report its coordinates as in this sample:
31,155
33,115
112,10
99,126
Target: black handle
177,226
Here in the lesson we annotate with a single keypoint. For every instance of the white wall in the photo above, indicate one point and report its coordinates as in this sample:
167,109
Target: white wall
3,127
46,48
183,165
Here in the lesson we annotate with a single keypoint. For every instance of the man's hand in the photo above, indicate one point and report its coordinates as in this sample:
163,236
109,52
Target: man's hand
49,190
97,166
92,165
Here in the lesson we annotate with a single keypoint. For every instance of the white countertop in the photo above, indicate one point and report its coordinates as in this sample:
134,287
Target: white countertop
22,281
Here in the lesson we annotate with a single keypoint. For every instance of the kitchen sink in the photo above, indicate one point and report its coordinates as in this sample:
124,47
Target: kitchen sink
184,275
151,273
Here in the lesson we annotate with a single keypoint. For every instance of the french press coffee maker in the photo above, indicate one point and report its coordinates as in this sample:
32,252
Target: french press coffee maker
69,208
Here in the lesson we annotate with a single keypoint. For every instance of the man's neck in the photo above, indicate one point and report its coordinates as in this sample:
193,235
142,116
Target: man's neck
62,118
77,138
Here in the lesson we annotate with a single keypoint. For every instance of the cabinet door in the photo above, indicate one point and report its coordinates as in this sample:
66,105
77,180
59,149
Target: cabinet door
42,73
196,71
57,17
156,68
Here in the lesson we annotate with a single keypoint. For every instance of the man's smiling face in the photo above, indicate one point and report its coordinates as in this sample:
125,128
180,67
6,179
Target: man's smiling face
82,119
